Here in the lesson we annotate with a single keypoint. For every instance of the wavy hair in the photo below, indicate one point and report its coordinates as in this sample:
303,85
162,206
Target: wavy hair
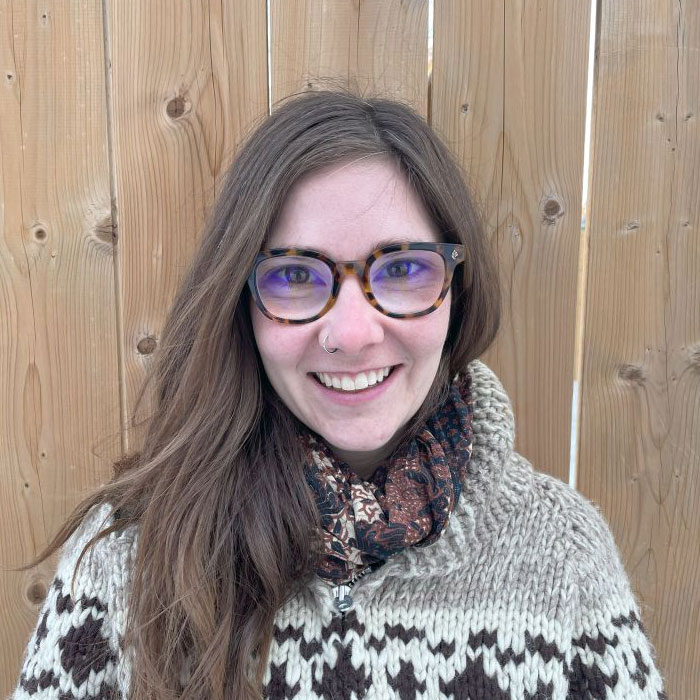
228,529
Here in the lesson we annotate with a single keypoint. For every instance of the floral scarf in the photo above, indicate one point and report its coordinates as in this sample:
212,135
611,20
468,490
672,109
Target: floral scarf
407,501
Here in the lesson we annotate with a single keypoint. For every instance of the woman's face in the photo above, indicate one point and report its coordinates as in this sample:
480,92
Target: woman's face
346,210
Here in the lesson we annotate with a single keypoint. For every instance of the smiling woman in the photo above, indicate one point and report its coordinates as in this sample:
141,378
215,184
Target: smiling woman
328,503
343,209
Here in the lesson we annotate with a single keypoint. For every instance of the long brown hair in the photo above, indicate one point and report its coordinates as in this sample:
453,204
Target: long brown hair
228,527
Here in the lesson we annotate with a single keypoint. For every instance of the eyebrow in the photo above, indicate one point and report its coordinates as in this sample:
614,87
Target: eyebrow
386,242
374,246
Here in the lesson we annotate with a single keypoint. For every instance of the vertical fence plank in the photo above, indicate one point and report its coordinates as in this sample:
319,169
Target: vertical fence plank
640,442
188,82
374,47
508,95
58,346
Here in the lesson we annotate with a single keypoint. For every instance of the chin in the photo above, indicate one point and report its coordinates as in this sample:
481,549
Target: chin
359,442
356,446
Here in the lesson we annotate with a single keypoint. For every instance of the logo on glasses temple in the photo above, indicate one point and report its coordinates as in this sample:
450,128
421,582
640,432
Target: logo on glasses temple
455,254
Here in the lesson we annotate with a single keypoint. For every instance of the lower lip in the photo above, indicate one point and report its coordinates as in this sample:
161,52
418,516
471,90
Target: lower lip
352,398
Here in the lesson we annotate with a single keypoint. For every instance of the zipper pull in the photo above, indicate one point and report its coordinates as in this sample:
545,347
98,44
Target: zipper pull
342,598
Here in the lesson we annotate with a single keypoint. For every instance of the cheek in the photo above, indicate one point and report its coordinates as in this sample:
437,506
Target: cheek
280,346
428,333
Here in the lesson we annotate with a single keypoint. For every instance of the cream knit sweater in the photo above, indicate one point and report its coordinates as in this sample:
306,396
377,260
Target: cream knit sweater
523,597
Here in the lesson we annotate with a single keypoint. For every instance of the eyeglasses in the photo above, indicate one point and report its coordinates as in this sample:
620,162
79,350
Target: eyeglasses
403,280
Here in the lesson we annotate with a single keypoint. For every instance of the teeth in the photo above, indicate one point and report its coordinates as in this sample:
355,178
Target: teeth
347,384
360,381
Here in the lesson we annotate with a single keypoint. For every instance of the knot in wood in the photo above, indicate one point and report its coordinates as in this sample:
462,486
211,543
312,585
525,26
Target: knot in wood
694,355
176,107
147,345
632,373
105,230
552,209
36,593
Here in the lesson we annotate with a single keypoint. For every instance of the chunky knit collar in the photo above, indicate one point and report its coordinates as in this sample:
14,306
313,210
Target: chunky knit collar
493,427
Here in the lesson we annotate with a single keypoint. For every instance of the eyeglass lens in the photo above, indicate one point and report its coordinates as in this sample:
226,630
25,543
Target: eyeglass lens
297,287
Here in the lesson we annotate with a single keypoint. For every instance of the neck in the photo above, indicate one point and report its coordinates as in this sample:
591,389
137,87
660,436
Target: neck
365,463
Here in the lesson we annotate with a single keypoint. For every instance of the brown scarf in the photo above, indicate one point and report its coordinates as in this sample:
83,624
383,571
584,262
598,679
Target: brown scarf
408,500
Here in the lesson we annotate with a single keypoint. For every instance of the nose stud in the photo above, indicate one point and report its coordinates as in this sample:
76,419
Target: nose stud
325,348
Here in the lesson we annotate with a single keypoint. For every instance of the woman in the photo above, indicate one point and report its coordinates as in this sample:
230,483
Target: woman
327,503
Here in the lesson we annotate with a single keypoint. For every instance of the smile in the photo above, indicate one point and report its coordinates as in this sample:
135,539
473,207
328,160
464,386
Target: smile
356,382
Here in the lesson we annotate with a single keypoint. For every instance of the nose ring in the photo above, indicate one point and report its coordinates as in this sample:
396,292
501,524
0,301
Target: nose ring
325,348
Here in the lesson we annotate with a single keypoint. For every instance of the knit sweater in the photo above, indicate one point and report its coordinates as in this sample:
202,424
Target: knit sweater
524,596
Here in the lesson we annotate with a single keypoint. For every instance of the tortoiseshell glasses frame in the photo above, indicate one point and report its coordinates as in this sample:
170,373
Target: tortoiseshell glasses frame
452,255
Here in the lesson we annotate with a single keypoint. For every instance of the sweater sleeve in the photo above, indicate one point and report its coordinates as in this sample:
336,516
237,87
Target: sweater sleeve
610,656
74,651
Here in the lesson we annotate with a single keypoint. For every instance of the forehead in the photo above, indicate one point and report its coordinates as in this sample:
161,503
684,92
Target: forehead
346,209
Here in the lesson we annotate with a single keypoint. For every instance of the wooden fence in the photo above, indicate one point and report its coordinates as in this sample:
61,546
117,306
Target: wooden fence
117,120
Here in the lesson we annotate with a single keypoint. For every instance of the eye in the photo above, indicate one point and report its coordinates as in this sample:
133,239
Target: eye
291,275
295,274
401,268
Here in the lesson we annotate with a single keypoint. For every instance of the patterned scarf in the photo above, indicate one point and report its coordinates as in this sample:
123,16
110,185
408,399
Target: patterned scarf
408,499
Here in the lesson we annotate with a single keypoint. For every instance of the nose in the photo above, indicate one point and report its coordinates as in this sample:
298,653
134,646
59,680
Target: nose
352,324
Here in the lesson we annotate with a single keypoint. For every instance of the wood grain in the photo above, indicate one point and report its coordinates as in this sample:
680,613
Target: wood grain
188,83
374,47
508,96
58,343
640,439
